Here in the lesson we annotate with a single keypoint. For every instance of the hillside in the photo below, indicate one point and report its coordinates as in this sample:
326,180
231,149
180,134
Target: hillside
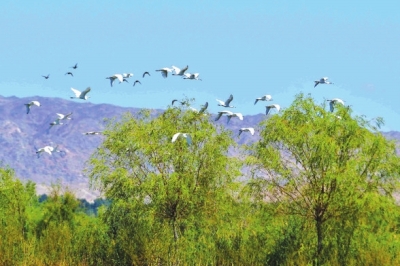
21,134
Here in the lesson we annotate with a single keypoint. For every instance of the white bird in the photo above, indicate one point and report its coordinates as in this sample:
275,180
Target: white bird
238,115
114,77
80,95
226,103
92,133
229,114
264,98
184,135
333,102
164,71
269,107
126,75
63,117
194,76
247,129
323,80
28,105
178,71
48,149
202,110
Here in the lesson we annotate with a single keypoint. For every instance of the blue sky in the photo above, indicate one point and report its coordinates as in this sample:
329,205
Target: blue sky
247,48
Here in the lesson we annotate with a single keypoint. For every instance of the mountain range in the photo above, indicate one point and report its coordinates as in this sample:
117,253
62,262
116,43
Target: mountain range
21,134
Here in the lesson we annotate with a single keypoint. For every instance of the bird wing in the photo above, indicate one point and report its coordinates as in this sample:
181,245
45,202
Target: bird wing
316,83
187,75
251,130
184,69
203,108
239,115
28,108
175,136
219,116
277,107
119,77
227,102
83,94
256,100
173,101
220,102
188,138
60,116
331,107
146,73
176,70
35,103
47,149
76,92
268,108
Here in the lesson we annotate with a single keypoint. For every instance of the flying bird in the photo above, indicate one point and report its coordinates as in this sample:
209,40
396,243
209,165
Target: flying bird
178,71
146,73
28,105
69,73
264,98
80,95
181,102
246,129
164,71
46,77
333,102
92,133
194,76
75,66
226,103
183,135
230,115
220,113
137,81
114,77
47,149
63,117
269,107
203,108
323,80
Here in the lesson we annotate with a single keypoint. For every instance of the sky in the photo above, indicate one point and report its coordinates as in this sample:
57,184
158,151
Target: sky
244,48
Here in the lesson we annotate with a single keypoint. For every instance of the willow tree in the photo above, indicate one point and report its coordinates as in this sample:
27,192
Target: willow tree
169,199
323,166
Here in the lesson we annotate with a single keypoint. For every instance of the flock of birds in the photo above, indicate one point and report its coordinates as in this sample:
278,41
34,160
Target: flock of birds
174,71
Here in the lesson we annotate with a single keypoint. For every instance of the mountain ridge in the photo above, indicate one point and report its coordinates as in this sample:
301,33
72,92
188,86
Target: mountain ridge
21,134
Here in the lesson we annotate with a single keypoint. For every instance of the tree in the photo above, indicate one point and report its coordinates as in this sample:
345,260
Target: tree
323,166
166,198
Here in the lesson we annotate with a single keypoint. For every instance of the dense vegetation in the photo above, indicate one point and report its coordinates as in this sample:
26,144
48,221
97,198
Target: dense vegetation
319,191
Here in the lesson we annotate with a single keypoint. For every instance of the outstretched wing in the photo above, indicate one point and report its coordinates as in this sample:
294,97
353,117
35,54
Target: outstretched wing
175,136
83,94
202,110
76,92
268,108
227,102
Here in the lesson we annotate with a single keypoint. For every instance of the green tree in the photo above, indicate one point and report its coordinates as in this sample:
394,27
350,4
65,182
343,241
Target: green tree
170,202
324,167
15,199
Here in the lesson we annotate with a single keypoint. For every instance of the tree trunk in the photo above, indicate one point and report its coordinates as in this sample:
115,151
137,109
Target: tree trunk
320,239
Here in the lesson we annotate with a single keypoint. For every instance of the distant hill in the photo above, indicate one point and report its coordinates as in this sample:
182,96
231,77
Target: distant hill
21,134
